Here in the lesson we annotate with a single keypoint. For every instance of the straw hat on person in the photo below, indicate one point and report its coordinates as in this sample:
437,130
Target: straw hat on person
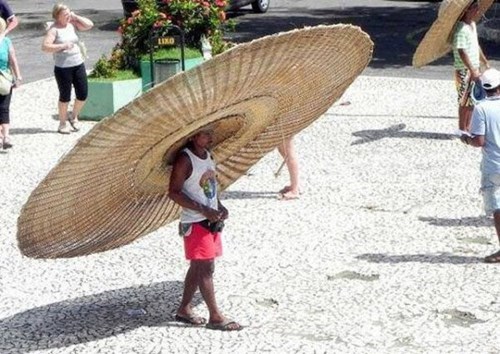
437,42
111,188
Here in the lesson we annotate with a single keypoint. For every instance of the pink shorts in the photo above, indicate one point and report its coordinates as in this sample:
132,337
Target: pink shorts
200,244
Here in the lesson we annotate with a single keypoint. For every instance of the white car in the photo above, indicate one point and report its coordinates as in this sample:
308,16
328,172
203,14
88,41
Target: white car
259,6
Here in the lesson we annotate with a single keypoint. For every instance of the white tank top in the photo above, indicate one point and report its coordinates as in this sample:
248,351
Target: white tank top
201,186
69,57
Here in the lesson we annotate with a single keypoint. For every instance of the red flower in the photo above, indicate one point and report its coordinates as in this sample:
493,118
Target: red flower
130,20
220,3
222,16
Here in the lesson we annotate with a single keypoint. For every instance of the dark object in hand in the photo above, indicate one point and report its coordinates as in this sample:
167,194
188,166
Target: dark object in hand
213,227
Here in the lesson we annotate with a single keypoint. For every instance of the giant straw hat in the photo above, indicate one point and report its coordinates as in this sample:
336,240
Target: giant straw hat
111,188
437,42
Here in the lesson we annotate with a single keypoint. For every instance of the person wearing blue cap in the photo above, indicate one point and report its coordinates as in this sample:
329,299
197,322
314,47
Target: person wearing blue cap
485,133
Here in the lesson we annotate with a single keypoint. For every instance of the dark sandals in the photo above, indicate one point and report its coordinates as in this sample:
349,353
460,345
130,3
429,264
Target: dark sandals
227,325
74,124
193,320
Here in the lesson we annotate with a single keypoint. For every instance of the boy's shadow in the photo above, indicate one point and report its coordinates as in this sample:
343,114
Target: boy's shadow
91,318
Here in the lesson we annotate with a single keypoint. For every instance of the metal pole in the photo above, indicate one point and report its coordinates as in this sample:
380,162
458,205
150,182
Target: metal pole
151,64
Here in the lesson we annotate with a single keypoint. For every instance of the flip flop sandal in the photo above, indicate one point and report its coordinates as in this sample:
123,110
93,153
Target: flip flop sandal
225,326
6,143
192,320
74,124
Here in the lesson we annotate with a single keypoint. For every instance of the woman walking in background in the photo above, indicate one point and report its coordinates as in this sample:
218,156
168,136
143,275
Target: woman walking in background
61,40
8,64
287,151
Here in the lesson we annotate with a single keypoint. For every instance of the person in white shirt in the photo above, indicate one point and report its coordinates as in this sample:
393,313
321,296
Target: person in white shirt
193,185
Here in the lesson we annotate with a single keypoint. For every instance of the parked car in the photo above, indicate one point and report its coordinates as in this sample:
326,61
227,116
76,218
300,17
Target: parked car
258,6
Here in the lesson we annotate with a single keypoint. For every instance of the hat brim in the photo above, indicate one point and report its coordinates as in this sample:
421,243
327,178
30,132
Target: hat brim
437,41
111,188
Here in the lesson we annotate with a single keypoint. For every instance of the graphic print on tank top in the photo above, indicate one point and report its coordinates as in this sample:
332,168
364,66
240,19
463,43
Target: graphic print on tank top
209,184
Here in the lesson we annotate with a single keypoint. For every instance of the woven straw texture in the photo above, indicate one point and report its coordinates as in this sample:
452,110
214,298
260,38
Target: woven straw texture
111,188
437,42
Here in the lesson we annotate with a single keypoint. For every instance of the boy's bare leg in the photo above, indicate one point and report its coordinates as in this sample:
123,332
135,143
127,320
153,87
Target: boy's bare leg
464,118
495,257
206,284
190,286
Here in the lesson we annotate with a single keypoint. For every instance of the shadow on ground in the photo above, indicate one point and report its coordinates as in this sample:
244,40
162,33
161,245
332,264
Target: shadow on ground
248,195
396,31
30,131
396,131
419,258
470,221
90,318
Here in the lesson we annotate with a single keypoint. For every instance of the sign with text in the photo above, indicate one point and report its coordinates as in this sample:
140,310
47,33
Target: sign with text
168,40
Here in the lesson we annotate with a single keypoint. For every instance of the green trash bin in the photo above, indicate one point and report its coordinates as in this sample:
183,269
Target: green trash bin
165,68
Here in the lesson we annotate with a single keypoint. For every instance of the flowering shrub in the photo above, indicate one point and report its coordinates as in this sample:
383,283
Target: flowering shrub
135,29
195,17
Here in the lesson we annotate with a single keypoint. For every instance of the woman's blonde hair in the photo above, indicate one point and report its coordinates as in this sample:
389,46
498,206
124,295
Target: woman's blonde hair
57,10
3,25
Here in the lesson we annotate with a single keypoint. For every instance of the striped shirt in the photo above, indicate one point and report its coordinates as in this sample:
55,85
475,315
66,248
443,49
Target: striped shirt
465,37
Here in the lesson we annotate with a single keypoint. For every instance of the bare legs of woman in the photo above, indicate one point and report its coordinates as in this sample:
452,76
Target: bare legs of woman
77,107
287,151
64,116
5,142
200,275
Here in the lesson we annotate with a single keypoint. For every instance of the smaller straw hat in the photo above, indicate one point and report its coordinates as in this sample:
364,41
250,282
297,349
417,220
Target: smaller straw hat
437,41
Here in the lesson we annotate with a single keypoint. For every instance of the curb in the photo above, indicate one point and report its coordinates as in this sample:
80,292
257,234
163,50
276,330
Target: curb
37,21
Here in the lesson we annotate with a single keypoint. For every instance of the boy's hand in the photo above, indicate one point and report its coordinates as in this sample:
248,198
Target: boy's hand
224,213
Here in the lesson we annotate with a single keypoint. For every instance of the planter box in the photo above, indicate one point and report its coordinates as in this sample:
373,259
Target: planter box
145,67
106,97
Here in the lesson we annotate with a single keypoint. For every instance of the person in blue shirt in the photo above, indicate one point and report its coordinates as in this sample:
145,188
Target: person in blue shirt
8,65
485,133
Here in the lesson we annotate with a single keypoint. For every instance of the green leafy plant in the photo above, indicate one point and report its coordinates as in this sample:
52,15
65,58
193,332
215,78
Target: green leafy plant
135,30
195,17
112,67
103,68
